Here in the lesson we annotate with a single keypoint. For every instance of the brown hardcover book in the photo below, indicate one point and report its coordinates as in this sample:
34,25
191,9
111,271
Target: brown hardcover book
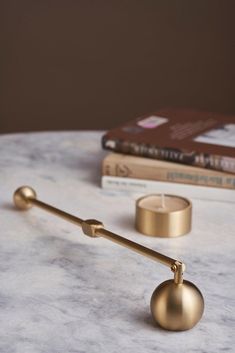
120,165
190,137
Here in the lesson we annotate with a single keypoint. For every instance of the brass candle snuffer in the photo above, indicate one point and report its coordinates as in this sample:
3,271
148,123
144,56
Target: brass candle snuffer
176,304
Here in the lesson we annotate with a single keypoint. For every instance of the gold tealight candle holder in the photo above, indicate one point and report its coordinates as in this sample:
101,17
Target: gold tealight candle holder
161,215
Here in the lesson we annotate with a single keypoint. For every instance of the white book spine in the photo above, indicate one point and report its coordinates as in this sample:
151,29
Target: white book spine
149,186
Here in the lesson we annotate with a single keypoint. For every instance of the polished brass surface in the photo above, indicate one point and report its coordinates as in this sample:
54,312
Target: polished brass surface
26,198
182,300
163,224
177,307
22,197
91,227
140,249
178,269
73,219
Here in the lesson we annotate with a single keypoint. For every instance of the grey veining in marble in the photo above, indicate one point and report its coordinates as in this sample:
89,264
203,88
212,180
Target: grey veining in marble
62,292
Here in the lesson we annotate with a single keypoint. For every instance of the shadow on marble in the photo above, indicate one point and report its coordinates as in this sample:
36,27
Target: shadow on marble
90,169
127,221
8,206
145,319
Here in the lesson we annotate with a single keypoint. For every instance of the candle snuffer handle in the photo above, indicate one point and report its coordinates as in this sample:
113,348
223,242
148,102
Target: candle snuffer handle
176,304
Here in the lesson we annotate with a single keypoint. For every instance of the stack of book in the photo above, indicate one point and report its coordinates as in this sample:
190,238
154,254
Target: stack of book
173,151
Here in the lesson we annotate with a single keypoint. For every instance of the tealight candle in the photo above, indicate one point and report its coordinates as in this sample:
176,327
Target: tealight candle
163,215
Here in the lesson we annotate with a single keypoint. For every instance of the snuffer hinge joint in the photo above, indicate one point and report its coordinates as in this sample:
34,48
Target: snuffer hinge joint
178,268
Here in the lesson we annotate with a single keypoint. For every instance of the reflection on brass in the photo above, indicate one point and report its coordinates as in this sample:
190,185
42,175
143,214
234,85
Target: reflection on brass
176,304
177,307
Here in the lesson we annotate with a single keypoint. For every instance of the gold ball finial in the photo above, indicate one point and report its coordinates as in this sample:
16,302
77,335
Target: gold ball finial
177,307
22,197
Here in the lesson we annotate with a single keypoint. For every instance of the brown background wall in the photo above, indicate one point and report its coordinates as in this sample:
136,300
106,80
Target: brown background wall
69,64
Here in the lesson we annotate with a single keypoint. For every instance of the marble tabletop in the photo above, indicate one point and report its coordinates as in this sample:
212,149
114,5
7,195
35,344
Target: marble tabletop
63,292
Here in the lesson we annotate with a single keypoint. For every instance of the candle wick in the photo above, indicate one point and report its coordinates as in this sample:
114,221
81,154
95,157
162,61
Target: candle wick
162,200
